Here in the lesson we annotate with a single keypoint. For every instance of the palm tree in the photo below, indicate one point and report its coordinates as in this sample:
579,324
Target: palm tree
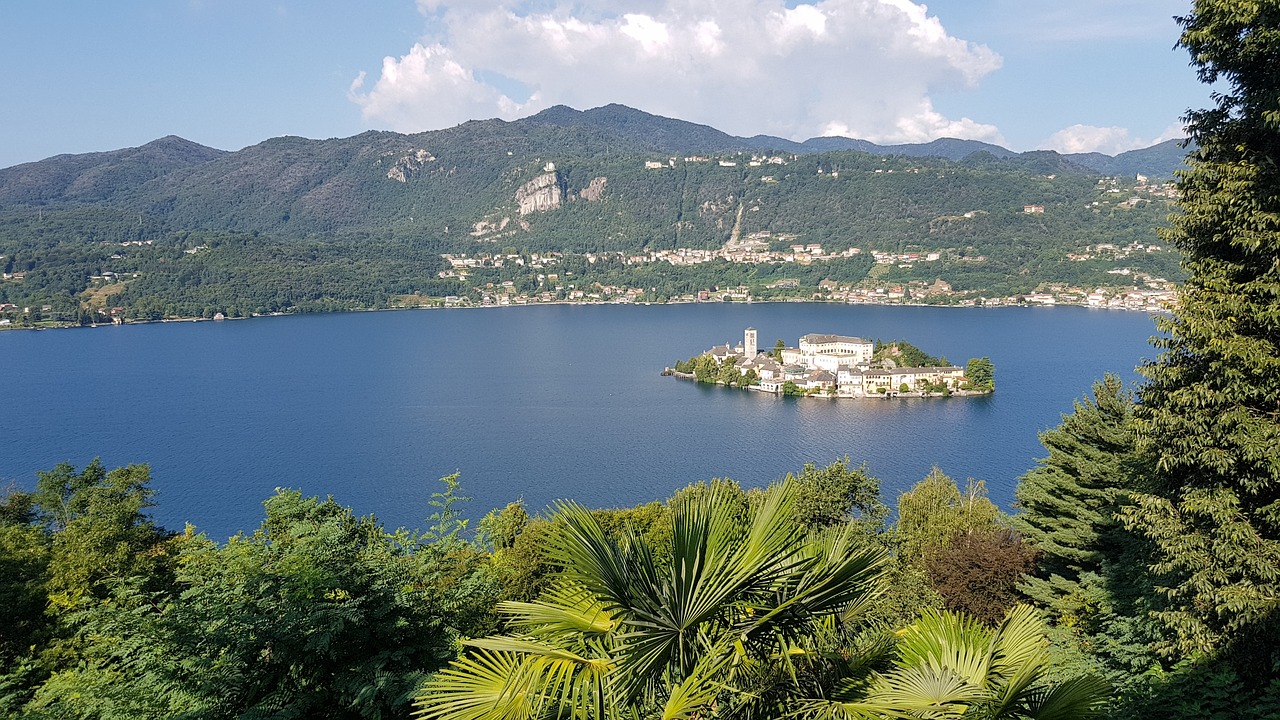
948,665
717,626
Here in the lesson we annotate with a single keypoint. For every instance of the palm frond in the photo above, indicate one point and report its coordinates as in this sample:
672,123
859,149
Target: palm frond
1020,639
482,686
944,640
589,558
1075,699
838,577
563,609
693,695
924,691
1020,658
559,677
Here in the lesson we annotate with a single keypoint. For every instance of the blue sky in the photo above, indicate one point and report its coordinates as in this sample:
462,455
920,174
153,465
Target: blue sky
1086,75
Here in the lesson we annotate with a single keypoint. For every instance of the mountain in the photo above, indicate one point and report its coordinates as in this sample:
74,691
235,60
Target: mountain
446,183
617,197
92,177
949,148
649,132
168,170
666,135
1158,160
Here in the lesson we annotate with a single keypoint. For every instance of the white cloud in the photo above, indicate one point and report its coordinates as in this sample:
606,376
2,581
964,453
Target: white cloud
428,82
863,67
1176,131
1106,140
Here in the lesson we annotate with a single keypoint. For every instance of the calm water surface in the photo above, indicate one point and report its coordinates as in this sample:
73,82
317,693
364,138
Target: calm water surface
538,403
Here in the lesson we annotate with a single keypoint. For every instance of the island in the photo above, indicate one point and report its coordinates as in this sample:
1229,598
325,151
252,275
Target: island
837,366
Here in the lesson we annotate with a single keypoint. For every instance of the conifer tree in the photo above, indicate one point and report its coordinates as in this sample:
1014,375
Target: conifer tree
1210,411
1069,502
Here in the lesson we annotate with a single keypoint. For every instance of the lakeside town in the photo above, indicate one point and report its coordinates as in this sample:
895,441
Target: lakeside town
551,283
750,266
518,278
837,366
1134,290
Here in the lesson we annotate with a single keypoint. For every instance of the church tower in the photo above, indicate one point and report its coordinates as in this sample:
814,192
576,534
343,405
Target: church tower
749,348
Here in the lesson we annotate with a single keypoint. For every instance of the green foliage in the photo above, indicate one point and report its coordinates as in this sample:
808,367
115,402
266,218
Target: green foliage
947,665
619,633
101,533
904,354
1207,416
24,563
959,545
446,521
1205,689
1091,574
934,511
981,374
524,568
320,613
837,494
498,529
317,614
1069,503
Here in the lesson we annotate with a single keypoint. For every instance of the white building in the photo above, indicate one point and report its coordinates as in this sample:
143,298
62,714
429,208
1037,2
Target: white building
814,344
837,362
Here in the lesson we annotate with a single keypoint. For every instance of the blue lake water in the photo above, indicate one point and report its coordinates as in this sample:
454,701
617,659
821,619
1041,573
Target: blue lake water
538,403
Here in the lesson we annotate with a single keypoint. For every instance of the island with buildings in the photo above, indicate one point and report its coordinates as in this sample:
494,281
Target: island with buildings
836,366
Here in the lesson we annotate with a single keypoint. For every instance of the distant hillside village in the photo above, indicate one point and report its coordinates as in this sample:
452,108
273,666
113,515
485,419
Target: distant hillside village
836,366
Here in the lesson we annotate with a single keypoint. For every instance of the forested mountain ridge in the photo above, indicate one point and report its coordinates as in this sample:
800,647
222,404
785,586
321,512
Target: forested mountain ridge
293,224
99,175
91,177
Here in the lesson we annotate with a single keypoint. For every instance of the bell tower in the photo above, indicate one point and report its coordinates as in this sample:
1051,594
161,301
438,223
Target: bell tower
749,348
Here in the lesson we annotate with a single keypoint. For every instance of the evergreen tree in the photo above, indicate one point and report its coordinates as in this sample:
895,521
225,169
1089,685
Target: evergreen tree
1089,577
1210,411
1070,501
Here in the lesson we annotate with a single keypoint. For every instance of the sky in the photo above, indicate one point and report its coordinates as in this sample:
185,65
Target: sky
1079,76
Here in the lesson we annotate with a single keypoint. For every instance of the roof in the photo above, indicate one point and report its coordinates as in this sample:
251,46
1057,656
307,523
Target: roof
924,370
821,339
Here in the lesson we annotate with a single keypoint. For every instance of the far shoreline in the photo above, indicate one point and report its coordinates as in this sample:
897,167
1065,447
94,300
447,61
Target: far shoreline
70,326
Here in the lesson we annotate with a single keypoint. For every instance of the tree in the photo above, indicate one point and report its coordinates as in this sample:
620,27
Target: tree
100,530
319,614
24,561
981,374
1208,414
499,529
1090,574
978,572
619,633
836,494
1069,503
934,511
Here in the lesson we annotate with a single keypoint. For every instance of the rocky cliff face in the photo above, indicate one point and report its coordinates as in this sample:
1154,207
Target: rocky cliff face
540,194
595,190
410,166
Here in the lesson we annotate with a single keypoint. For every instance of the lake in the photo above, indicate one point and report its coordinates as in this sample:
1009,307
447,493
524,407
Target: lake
538,403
